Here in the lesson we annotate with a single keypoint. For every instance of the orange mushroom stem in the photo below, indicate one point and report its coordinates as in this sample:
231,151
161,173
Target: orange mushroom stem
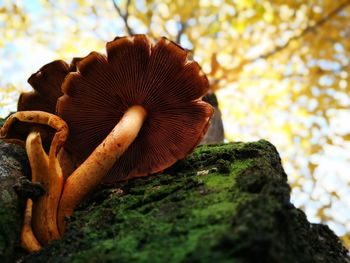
93,170
28,240
47,171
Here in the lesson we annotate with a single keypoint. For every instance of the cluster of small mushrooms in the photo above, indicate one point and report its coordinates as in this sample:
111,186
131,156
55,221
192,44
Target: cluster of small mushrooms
104,119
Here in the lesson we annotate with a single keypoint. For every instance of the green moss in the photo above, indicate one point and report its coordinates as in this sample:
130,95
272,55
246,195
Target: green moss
224,203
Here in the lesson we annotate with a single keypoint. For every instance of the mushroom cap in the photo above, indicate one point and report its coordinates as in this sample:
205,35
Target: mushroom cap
19,130
46,83
158,77
18,126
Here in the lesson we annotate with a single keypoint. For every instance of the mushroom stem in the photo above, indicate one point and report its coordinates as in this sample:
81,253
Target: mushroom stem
92,171
47,171
28,239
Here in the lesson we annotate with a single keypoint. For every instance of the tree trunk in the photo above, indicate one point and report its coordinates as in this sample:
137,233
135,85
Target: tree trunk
224,203
13,165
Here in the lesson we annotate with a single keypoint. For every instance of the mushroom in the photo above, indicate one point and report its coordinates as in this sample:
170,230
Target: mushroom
47,83
131,113
40,216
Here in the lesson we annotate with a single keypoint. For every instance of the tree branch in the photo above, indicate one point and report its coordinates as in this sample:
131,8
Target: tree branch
307,30
124,16
183,26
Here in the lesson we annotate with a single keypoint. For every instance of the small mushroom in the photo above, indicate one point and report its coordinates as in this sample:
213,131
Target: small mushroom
30,127
46,83
131,113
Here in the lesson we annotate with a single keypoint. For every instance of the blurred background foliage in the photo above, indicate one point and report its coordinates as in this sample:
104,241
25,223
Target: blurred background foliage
280,69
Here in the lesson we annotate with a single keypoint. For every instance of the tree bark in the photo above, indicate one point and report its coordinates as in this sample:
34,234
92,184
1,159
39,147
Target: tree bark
223,203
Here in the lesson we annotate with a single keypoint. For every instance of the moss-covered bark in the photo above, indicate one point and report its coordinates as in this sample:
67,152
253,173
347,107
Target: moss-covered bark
224,203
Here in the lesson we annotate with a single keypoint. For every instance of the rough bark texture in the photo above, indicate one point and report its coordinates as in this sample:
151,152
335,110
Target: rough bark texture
224,203
13,165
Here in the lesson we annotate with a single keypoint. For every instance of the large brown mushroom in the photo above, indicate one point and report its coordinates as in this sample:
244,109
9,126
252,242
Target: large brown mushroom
131,113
